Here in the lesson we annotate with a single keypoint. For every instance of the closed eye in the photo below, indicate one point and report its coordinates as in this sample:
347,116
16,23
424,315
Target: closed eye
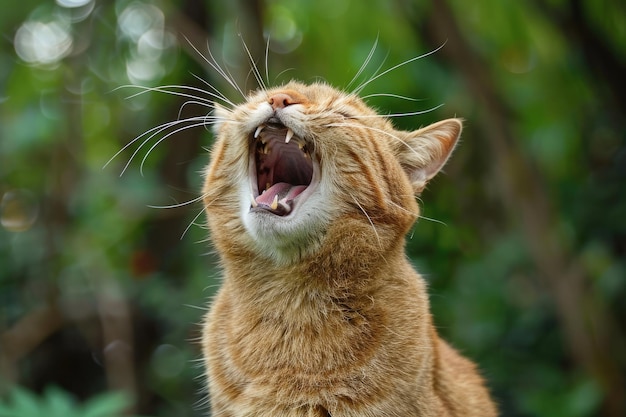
346,115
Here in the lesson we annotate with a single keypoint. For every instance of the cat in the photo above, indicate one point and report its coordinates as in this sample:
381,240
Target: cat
309,195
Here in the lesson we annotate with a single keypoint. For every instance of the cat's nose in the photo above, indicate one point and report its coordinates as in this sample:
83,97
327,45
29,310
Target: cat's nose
281,100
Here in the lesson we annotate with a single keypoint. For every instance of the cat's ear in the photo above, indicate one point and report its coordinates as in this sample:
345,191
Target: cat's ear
220,114
422,153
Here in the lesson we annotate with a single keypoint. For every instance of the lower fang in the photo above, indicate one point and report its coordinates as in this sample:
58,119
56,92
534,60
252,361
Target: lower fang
274,204
253,201
289,135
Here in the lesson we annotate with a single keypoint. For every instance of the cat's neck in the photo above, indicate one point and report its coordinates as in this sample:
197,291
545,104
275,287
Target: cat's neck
343,266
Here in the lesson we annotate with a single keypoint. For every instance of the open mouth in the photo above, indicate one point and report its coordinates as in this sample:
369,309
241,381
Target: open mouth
283,169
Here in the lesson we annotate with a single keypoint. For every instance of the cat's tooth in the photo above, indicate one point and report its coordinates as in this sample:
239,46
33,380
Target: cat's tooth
285,206
274,204
289,135
253,201
300,145
258,130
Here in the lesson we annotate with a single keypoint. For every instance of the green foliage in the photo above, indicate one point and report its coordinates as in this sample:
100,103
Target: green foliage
56,402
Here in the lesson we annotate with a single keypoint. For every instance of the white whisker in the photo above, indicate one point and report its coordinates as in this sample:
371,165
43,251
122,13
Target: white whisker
374,75
369,219
365,63
413,113
169,89
197,308
143,160
213,64
185,104
157,129
432,220
283,72
254,68
391,95
171,206
384,132
191,223
196,217
400,207
267,67
387,71
218,94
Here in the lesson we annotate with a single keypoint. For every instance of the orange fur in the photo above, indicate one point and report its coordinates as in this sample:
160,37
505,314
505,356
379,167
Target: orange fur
320,312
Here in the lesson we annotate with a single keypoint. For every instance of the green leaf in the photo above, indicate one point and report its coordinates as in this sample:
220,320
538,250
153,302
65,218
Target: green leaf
58,403
6,411
106,405
24,404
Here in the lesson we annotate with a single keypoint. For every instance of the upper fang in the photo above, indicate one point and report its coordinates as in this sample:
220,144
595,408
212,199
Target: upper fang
289,135
258,131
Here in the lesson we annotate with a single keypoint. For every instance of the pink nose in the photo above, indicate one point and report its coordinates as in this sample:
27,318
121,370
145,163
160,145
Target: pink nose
281,100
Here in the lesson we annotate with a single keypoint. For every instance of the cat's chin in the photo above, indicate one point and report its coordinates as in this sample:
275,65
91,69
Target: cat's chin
287,238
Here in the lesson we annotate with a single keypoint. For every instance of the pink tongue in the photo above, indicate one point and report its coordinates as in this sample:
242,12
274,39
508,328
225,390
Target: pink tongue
283,190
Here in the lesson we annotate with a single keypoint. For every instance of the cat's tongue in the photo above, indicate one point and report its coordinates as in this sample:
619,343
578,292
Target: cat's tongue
279,196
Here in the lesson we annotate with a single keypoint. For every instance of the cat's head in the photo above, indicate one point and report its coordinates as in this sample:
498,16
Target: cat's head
293,160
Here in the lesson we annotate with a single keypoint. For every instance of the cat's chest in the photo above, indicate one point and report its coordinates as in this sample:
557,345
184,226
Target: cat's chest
306,339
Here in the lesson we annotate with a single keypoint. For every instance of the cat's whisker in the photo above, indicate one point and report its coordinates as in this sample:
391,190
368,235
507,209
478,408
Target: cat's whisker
365,63
283,72
185,104
157,130
170,89
374,74
419,216
369,219
430,219
384,132
391,95
393,203
178,205
267,67
218,94
193,221
414,113
254,68
197,308
213,64
387,71
158,142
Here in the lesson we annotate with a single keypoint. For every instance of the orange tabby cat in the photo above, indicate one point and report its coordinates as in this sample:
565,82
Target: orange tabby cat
309,196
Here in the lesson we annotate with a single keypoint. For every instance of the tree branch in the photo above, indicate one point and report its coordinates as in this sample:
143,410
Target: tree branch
24,336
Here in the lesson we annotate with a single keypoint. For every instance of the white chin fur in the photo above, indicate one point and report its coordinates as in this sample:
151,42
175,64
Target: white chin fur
286,239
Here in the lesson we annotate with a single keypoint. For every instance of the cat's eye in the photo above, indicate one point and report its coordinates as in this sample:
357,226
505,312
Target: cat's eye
346,115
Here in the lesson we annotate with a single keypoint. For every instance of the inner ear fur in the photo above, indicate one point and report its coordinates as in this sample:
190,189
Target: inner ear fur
423,152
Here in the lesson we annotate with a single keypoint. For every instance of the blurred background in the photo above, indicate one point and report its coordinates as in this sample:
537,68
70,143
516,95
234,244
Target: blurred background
523,242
